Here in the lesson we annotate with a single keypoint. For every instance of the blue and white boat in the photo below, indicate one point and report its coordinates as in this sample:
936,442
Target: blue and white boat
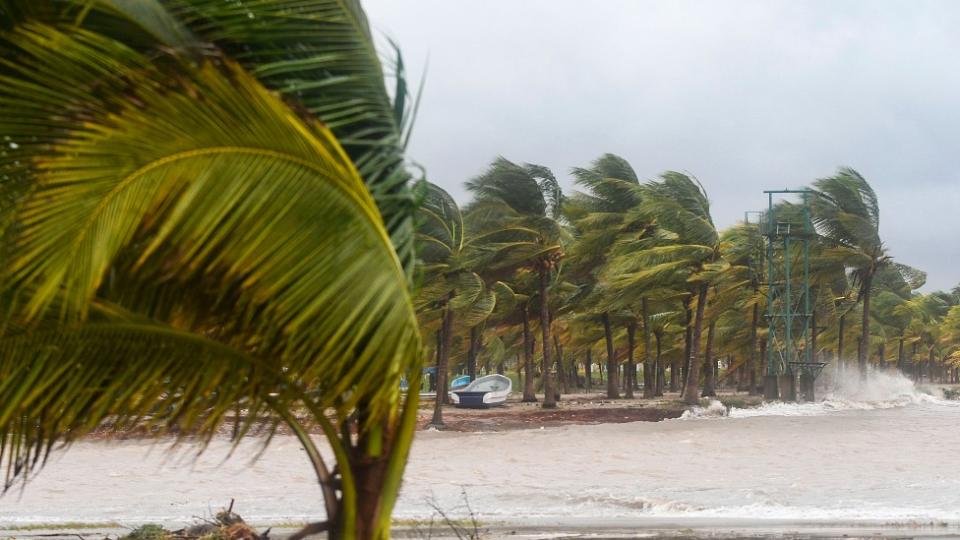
460,382
484,392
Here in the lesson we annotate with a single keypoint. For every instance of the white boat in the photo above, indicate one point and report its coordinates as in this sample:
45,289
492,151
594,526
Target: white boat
484,392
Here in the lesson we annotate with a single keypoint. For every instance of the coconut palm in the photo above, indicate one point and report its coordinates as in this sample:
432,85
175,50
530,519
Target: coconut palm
918,315
724,298
188,244
666,323
453,293
949,336
605,213
519,208
846,212
895,310
742,245
690,260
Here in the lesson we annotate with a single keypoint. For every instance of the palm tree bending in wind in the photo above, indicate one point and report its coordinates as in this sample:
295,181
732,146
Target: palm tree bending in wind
521,207
191,244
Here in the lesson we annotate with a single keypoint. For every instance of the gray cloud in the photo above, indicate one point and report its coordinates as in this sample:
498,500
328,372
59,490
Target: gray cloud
747,95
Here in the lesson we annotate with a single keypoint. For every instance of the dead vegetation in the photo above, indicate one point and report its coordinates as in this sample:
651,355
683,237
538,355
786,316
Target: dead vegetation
226,525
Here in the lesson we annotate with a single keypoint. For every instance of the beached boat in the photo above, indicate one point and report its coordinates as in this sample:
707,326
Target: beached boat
460,382
484,392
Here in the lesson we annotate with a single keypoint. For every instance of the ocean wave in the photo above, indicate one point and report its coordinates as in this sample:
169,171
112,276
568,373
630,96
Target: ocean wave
598,505
715,409
848,392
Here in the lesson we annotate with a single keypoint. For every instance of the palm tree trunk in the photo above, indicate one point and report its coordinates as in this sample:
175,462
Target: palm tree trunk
443,359
649,370
900,355
375,460
432,378
549,397
814,354
687,342
917,363
612,391
587,365
629,368
859,347
840,361
752,357
710,377
561,372
675,373
865,331
472,354
692,391
763,356
660,369
913,360
529,395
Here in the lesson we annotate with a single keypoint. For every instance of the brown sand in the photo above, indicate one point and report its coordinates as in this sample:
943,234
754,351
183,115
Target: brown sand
571,409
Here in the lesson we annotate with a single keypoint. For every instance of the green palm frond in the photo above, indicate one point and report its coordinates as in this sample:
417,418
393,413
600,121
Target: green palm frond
70,380
550,188
632,261
846,211
914,278
468,287
506,298
479,310
194,181
318,55
511,185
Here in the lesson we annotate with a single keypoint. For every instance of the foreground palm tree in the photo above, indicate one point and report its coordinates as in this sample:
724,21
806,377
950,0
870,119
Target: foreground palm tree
191,248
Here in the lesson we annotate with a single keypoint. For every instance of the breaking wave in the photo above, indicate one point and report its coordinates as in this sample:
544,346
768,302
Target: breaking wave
846,392
642,507
714,410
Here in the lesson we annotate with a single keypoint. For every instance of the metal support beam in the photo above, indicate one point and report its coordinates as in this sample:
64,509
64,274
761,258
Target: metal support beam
788,231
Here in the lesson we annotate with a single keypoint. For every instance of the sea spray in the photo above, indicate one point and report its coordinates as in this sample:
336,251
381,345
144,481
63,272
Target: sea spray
715,409
848,391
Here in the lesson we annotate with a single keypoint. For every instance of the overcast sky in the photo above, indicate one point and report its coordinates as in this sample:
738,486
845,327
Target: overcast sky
746,95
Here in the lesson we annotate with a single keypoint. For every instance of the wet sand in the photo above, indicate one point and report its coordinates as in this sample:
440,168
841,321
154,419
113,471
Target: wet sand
572,409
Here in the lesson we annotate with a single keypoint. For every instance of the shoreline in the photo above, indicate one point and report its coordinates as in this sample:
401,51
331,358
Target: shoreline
572,409
665,528
514,415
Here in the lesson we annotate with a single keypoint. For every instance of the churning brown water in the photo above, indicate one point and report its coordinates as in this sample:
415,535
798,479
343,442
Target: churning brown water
883,453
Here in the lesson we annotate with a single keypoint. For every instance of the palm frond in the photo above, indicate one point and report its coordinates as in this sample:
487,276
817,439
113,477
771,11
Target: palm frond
64,382
194,180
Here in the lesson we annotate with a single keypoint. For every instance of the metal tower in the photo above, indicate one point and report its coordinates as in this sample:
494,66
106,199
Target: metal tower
788,230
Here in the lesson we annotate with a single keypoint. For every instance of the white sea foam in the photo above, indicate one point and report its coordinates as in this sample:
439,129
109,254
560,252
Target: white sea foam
715,409
848,392
620,506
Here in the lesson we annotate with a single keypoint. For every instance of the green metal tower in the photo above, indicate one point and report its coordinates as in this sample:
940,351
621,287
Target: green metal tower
788,231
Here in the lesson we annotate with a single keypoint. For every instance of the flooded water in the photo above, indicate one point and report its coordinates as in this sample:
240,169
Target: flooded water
882,455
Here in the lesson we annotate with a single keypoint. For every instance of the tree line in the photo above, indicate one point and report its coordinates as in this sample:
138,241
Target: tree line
633,279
